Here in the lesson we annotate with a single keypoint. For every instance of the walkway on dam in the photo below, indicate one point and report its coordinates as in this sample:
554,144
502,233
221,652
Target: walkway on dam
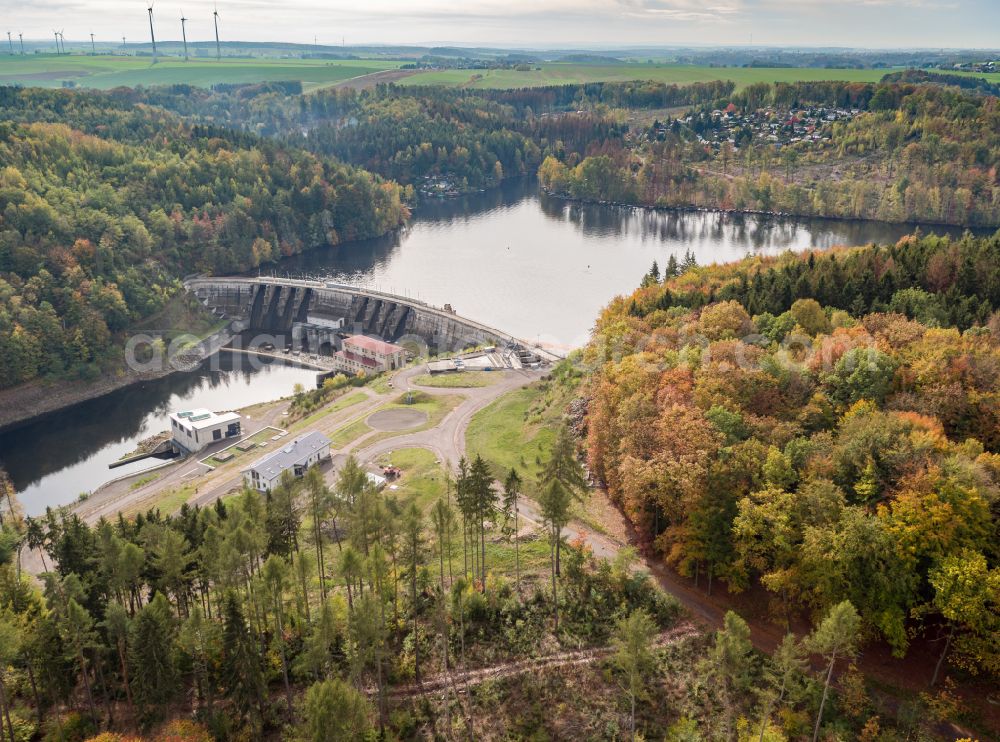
193,284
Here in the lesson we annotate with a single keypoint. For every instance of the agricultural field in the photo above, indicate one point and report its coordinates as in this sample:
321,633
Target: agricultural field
563,73
106,71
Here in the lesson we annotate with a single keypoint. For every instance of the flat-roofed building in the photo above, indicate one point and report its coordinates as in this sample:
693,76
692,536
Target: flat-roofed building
373,356
296,456
192,430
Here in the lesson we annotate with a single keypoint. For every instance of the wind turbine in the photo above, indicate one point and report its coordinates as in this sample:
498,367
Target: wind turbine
124,48
62,38
20,37
93,49
152,36
218,49
10,43
56,34
184,35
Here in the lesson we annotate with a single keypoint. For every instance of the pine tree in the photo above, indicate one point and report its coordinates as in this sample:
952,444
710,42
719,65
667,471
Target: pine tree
633,655
242,675
413,528
335,712
154,674
511,526
275,576
836,636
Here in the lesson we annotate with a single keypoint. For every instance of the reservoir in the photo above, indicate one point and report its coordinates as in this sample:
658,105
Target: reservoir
537,267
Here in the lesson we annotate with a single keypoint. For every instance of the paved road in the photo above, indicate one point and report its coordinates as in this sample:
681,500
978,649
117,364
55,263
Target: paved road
446,440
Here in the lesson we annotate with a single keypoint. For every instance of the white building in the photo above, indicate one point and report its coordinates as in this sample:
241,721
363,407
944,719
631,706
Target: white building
192,430
297,456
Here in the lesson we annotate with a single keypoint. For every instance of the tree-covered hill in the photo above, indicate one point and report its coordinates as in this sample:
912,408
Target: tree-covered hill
893,152
824,426
103,206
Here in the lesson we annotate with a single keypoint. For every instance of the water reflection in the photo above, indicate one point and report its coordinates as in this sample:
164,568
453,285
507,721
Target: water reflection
54,458
535,266
541,268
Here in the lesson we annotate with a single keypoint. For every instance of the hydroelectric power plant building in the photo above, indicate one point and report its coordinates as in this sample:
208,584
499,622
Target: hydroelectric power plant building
192,430
369,355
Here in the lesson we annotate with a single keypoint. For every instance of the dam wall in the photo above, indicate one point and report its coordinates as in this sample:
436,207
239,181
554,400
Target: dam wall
315,313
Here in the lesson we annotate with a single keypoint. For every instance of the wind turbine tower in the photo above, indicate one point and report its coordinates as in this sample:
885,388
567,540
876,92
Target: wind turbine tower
10,43
56,34
124,48
152,36
218,49
93,49
20,37
184,35
62,38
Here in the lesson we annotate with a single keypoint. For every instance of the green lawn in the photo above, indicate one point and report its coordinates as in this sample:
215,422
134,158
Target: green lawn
105,71
422,478
349,434
261,438
564,73
340,403
515,431
462,380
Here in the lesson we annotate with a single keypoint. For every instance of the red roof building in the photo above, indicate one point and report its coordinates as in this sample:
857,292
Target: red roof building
362,353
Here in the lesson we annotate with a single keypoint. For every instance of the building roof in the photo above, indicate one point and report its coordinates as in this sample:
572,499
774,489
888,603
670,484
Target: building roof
363,360
200,418
373,345
290,455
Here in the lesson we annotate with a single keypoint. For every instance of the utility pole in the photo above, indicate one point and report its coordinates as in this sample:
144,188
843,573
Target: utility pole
152,36
184,35
93,49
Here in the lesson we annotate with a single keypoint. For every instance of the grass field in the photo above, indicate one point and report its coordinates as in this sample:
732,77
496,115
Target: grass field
561,73
104,72
422,478
463,380
516,431
107,71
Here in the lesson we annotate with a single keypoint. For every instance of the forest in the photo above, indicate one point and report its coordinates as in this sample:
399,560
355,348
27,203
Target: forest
104,206
823,427
333,613
915,153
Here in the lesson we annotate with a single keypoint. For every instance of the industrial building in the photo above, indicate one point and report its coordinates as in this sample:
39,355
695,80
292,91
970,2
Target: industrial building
192,430
362,353
297,456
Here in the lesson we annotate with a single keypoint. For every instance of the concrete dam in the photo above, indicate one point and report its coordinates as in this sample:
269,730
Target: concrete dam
313,316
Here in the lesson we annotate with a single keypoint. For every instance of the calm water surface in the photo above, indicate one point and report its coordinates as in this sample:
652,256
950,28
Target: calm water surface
541,268
54,458
536,267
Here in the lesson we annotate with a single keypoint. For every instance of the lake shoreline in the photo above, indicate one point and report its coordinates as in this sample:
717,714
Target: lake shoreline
982,231
34,400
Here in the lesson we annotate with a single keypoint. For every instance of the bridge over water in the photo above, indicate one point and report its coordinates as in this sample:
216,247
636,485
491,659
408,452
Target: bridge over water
312,314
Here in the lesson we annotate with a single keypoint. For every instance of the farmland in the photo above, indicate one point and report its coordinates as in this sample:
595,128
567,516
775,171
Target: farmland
105,72
559,73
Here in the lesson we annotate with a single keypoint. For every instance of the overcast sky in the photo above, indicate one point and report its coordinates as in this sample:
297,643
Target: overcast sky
530,23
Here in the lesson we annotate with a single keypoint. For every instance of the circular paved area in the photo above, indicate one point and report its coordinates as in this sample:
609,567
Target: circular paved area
397,419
